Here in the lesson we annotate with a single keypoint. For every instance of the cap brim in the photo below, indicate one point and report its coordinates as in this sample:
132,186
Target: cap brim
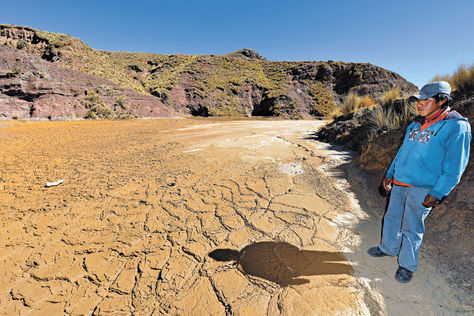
422,96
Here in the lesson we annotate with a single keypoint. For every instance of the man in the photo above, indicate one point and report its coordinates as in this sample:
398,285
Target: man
428,165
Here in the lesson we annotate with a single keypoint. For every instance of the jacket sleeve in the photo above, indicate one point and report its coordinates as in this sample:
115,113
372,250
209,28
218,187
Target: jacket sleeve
389,173
454,164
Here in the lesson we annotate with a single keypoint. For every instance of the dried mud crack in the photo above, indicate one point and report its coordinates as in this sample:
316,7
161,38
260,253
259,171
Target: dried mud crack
145,202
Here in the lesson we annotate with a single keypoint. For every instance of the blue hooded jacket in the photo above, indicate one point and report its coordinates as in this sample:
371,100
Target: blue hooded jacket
435,157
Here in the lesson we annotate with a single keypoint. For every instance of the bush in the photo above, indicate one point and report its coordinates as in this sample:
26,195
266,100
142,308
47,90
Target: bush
15,71
54,39
97,108
353,102
90,115
323,103
392,113
121,102
441,78
22,44
335,113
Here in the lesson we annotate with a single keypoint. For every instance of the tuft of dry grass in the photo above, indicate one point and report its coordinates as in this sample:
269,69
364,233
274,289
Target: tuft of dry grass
385,118
351,103
390,115
390,96
335,113
462,80
367,101
441,78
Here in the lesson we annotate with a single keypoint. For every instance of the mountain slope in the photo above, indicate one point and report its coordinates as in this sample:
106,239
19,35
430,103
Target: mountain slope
237,84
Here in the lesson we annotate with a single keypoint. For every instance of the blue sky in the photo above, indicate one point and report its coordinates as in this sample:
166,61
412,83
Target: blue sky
416,39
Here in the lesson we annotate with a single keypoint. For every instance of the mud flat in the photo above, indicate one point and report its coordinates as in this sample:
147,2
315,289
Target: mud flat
145,202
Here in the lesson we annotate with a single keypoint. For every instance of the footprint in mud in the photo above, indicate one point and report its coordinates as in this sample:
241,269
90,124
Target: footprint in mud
283,263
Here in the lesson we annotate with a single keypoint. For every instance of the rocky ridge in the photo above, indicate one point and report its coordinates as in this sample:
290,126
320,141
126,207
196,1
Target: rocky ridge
237,84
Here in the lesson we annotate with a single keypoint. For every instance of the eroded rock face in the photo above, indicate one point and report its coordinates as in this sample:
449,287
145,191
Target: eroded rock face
34,88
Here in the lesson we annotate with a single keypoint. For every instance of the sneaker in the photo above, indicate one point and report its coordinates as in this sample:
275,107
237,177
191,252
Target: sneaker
376,252
403,275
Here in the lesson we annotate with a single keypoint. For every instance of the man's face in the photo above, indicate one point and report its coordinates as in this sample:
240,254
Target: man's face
427,107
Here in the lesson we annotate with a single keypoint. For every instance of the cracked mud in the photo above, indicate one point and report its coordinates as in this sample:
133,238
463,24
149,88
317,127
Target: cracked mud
144,203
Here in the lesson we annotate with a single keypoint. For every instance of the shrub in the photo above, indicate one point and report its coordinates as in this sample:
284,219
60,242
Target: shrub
121,102
353,102
15,71
54,39
441,78
96,106
323,100
90,115
92,99
21,44
382,119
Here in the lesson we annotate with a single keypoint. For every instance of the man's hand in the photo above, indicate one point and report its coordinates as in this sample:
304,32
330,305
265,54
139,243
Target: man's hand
430,201
387,184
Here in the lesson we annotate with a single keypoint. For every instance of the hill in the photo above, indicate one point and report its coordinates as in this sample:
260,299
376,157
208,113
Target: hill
237,84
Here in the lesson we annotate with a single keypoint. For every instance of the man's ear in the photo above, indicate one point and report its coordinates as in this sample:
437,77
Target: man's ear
442,102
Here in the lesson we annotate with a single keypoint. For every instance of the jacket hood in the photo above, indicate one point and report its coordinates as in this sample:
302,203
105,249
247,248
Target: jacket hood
454,115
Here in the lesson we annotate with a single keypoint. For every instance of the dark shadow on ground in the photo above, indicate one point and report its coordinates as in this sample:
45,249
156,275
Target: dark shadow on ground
283,263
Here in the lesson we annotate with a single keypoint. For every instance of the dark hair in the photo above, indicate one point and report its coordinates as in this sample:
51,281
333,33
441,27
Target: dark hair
443,96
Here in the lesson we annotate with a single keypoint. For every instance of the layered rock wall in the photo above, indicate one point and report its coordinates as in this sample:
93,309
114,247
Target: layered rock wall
34,88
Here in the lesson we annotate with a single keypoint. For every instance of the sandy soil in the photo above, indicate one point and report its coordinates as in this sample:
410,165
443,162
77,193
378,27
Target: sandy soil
144,203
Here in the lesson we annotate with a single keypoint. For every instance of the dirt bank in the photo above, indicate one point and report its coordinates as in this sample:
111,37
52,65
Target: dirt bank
144,202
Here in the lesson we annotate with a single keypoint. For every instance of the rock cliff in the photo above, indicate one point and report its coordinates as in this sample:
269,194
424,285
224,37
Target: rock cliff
242,83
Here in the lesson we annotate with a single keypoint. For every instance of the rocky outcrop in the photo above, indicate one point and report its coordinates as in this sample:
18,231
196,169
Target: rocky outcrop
246,53
290,89
242,83
34,88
